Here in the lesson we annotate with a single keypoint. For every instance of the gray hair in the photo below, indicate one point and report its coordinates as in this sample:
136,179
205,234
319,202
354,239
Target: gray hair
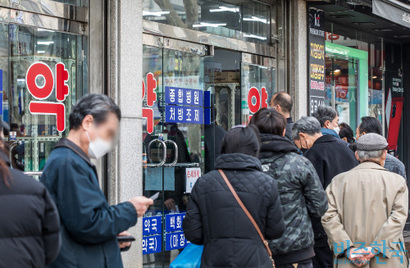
308,125
97,105
366,155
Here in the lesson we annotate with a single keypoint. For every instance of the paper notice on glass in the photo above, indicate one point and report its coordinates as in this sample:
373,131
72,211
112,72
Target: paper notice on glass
153,179
192,175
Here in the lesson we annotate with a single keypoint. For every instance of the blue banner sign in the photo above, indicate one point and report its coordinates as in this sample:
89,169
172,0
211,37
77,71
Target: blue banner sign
151,244
175,241
151,225
183,96
183,114
173,222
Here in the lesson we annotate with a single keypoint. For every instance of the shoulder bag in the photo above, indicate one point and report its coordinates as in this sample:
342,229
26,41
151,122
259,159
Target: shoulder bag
265,243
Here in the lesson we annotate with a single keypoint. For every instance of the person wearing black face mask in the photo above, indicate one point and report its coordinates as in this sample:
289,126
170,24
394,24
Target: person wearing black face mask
89,225
330,157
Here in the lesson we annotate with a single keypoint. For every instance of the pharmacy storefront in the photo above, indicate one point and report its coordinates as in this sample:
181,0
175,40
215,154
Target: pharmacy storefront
203,73
43,71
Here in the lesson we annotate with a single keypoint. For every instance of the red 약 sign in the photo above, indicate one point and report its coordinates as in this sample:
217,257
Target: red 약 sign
43,92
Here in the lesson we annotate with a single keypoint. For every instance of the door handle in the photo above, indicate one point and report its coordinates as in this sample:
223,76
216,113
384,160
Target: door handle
164,150
176,154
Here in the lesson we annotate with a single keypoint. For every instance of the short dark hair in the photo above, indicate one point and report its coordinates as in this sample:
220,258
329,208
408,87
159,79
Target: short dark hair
346,132
370,125
97,105
284,100
324,113
269,121
241,139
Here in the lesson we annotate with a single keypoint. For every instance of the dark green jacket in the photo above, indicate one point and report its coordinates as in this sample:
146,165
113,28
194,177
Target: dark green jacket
89,225
301,195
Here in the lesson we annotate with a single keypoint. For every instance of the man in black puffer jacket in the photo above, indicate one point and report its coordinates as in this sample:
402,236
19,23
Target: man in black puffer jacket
299,188
215,219
29,224
330,157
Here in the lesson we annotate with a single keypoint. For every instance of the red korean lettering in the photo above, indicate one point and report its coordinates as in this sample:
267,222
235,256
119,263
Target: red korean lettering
148,113
62,77
264,98
34,71
52,108
254,93
150,89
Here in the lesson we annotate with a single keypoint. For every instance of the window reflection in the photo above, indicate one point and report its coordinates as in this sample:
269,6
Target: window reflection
248,20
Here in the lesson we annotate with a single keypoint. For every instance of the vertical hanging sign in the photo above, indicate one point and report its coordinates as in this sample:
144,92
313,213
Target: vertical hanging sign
316,58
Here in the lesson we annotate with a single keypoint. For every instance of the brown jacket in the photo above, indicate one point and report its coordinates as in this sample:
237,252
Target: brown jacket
369,205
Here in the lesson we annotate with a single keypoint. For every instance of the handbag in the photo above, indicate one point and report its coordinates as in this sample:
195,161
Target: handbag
264,241
190,257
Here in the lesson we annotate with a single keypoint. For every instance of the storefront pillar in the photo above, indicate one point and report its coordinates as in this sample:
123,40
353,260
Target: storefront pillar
298,57
125,71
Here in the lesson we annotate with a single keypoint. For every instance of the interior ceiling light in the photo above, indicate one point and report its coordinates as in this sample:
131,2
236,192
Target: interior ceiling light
208,24
257,19
45,42
255,36
225,9
154,13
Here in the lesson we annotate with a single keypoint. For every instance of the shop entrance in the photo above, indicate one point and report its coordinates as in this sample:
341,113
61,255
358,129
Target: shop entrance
346,82
193,94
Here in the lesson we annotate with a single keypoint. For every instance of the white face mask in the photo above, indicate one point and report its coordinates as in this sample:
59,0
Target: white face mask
337,129
98,147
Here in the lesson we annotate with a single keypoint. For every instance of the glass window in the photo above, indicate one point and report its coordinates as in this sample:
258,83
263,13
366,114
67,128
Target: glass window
32,137
247,20
341,87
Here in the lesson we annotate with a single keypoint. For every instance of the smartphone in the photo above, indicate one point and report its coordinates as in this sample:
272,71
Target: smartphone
155,196
123,239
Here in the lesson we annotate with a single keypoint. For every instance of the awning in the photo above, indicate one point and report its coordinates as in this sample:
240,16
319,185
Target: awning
392,10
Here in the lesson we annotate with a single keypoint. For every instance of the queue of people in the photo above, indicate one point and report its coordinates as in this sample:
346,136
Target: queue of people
358,221
305,194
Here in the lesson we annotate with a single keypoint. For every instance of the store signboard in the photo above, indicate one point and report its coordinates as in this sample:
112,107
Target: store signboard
40,82
392,10
183,96
316,58
152,225
175,240
173,222
151,244
192,175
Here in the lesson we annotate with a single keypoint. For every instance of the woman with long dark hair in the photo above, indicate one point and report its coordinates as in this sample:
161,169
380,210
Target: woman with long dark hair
216,219
29,222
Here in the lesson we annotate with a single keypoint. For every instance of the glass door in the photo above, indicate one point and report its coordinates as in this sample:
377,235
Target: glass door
173,135
258,84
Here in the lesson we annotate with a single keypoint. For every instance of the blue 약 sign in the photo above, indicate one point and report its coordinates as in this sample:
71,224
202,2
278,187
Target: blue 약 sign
151,244
183,96
183,114
151,225
175,241
173,222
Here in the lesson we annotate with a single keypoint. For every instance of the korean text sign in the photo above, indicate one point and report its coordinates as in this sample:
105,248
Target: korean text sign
42,92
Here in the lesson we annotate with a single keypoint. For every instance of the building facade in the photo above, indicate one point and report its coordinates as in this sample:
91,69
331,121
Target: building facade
183,73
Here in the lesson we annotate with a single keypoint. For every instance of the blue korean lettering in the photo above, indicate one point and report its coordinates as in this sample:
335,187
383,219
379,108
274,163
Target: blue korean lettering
151,244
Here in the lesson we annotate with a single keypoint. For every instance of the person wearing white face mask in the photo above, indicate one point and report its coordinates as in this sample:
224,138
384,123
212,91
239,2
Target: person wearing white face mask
89,225
329,120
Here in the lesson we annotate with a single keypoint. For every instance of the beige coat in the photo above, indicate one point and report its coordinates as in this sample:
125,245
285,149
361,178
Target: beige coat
367,204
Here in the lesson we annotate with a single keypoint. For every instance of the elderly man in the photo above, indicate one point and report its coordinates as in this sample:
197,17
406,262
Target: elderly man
89,225
367,212
372,125
330,157
282,102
